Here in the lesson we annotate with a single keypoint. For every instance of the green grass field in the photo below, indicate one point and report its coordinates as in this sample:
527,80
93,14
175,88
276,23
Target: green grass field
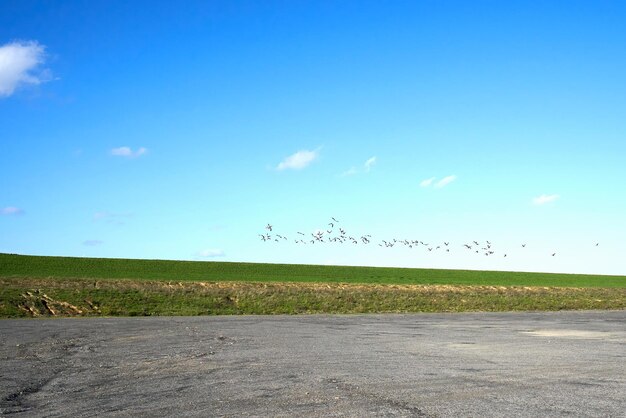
102,268
33,286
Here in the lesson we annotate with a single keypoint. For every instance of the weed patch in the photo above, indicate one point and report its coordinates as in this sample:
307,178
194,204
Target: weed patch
21,297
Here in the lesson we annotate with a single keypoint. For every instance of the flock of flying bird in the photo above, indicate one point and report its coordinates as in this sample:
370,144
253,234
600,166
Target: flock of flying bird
336,234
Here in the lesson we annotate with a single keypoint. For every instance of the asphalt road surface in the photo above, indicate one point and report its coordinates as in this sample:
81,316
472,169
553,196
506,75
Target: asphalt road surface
418,365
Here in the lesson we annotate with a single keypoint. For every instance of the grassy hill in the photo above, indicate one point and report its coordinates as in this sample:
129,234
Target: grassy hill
12,265
33,286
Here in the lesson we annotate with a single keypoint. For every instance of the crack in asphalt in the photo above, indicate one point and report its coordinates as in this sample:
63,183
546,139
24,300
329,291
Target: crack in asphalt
15,402
49,365
395,404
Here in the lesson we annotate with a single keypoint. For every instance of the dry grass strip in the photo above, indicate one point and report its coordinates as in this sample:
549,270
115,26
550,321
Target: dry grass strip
82,297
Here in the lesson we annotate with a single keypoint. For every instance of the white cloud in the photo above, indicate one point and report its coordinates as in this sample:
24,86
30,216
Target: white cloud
427,182
445,181
543,199
128,152
369,163
19,62
298,161
350,172
92,243
367,167
11,211
210,253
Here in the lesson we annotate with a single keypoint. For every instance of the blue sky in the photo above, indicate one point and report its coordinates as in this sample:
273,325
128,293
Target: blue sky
178,131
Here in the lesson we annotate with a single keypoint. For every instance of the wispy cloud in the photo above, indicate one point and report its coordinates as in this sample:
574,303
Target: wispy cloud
427,182
92,243
545,198
19,64
367,166
111,217
11,211
441,183
298,161
369,163
445,181
128,152
211,253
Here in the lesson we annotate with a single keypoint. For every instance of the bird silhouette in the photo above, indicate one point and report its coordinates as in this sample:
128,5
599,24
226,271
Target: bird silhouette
329,235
